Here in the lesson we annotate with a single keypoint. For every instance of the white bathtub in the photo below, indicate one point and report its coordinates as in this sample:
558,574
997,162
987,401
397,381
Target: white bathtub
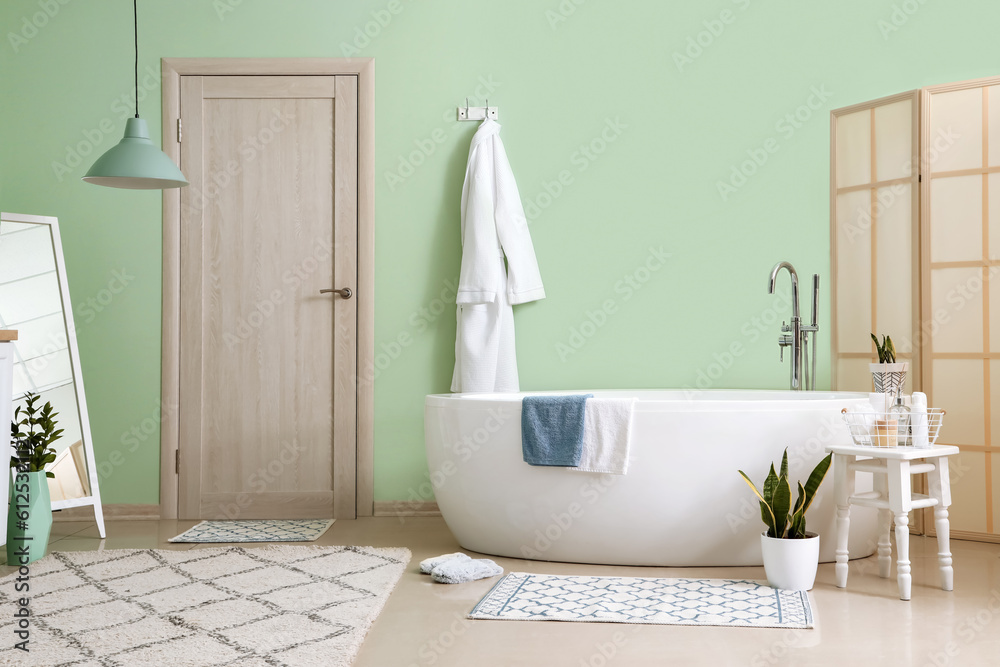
682,502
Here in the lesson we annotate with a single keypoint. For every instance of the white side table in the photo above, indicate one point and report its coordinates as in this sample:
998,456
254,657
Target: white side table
7,339
894,498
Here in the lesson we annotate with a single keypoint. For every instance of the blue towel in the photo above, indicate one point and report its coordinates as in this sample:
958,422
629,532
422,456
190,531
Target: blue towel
552,429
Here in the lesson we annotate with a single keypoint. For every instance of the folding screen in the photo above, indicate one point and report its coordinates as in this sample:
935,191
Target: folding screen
874,214
960,236
922,264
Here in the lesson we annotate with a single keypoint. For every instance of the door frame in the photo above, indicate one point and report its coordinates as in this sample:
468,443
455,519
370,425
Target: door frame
360,466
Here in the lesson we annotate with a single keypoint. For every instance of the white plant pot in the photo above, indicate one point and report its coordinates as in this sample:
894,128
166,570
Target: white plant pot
790,564
888,378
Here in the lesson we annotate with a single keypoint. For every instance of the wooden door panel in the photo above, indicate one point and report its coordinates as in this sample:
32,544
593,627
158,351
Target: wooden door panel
258,372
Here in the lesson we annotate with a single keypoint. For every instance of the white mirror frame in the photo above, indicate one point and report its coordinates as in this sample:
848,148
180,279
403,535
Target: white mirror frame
74,355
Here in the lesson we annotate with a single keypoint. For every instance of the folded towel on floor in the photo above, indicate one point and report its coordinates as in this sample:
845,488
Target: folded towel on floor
461,570
428,564
552,429
606,435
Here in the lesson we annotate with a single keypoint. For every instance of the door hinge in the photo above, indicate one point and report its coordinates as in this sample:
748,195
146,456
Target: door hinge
177,461
178,130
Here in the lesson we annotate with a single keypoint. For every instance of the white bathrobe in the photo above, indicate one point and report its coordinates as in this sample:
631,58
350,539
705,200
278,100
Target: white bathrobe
493,226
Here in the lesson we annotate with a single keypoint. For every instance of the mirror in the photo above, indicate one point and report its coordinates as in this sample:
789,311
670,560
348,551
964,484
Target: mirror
34,300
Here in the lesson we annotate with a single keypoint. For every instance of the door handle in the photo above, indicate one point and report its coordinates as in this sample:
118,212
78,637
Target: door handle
345,293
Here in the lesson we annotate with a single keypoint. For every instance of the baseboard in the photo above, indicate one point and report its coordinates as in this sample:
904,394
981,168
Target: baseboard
406,508
115,512
970,536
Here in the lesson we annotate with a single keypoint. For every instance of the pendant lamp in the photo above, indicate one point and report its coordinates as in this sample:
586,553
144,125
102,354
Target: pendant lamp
135,163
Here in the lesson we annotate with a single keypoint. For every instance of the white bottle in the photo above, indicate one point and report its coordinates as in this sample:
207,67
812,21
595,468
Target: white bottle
918,420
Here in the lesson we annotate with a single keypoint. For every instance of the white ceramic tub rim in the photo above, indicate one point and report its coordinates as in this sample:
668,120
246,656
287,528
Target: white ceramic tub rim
700,400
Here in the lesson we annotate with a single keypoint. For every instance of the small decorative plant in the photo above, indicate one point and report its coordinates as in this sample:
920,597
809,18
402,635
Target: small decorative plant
886,350
783,519
32,436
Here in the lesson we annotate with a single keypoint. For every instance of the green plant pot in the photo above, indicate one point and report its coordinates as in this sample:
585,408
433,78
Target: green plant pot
31,531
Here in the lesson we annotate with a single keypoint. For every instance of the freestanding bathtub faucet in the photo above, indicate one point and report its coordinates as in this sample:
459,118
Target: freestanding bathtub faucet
796,335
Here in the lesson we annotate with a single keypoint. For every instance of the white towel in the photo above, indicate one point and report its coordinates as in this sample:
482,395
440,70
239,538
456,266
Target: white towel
881,403
607,435
863,420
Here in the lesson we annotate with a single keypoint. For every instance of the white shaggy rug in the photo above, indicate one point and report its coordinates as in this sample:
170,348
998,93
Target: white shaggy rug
276,606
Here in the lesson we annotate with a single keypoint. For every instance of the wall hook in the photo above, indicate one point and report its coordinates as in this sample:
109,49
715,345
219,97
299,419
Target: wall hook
477,113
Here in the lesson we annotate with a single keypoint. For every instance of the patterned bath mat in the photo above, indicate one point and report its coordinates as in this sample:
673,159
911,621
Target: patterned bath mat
546,597
282,606
256,530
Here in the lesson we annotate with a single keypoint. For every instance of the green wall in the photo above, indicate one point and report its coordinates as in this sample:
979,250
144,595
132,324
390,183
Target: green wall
662,134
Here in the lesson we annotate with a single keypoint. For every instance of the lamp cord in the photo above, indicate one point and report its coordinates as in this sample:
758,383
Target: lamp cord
135,24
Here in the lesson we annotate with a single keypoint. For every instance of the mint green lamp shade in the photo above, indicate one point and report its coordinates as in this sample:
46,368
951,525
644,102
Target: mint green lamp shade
135,163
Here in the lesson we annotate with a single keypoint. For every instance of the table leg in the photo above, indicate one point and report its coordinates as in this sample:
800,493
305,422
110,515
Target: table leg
944,548
903,550
843,487
884,545
884,528
940,488
901,502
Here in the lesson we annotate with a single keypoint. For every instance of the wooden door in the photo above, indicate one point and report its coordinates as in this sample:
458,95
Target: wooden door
267,403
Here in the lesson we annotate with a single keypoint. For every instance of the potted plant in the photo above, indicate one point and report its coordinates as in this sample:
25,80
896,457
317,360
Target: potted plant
791,555
888,375
29,520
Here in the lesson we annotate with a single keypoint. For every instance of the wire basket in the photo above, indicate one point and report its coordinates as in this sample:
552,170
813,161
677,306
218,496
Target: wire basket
871,428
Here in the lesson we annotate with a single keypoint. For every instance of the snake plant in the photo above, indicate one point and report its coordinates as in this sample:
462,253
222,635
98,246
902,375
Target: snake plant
886,350
783,519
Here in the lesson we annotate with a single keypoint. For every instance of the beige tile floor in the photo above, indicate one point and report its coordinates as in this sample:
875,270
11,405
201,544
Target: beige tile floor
424,623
